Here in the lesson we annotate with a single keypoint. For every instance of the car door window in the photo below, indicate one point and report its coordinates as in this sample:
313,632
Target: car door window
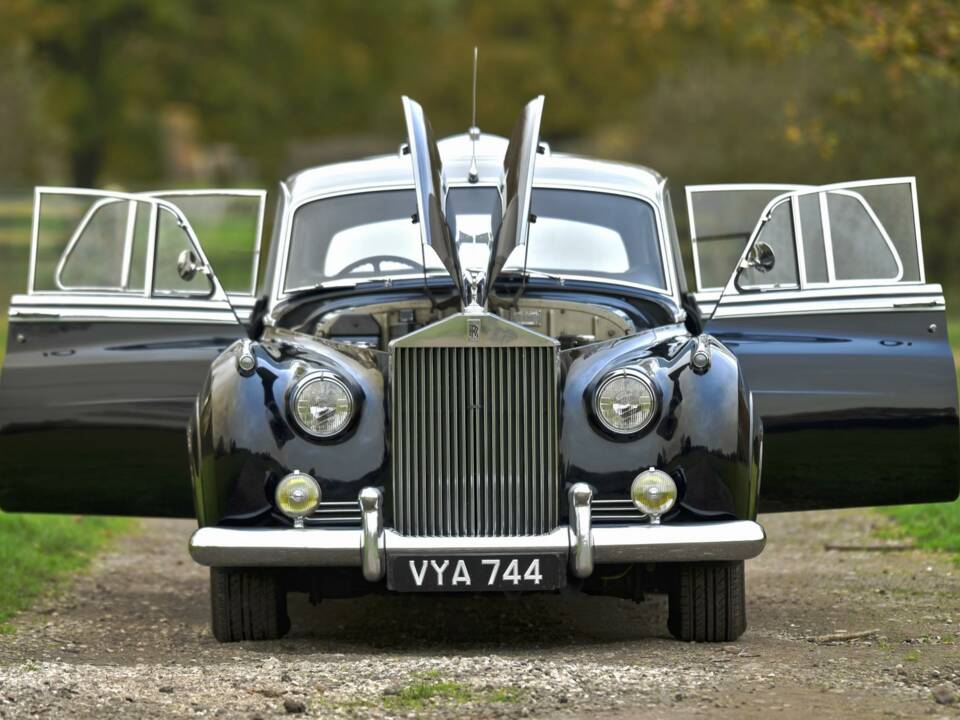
172,243
228,224
85,242
861,248
97,255
105,243
847,235
778,233
722,218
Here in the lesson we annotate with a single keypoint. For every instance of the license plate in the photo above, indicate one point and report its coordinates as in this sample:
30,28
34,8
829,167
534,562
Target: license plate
475,573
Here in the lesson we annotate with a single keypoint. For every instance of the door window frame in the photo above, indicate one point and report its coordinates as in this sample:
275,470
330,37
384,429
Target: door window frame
157,202
847,188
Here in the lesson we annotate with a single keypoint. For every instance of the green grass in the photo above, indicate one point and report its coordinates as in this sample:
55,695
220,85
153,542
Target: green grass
37,552
936,527
431,689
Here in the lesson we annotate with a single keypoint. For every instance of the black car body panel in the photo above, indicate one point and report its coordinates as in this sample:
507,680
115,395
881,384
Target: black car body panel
858,409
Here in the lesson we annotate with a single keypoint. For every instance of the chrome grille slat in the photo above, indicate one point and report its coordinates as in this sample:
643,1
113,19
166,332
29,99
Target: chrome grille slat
616,511
474,440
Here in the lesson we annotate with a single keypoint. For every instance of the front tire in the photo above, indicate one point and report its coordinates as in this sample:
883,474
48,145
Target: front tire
247,605
707,602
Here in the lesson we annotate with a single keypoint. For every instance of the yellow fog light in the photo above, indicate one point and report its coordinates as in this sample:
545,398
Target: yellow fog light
654,493
298,495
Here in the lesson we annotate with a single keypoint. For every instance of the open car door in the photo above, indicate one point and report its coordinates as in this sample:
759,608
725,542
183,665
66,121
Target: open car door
110,344
844,346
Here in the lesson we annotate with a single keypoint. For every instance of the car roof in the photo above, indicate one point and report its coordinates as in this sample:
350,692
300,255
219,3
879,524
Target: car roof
390,171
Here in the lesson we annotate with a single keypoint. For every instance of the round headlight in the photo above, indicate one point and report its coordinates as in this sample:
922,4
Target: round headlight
322,405
297,495
625,401
654,493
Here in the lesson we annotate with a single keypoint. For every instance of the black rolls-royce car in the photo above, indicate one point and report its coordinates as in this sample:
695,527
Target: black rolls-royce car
476,365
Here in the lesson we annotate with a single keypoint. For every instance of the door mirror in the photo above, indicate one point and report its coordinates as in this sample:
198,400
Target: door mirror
187,265
760,258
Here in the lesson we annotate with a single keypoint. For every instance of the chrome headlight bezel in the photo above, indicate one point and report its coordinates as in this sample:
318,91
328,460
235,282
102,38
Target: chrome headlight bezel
305,382
651,387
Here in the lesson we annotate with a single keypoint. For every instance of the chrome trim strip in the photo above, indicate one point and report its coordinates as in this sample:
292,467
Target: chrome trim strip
117,307
150,269
898,297
212,316
127,261
34,242
120,300
826,307
581,539
827,231
905,289
916,229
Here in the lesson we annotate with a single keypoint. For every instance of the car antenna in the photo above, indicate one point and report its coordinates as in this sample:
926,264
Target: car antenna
473,174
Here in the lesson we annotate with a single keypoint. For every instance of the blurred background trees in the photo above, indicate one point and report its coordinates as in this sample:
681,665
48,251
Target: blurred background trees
139,93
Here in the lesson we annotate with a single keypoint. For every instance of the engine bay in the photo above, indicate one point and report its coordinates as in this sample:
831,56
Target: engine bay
571,323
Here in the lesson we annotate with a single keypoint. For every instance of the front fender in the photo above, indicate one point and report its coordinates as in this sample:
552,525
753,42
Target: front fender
245,442
704,434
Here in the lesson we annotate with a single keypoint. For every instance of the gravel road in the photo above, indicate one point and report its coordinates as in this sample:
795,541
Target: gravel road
130,639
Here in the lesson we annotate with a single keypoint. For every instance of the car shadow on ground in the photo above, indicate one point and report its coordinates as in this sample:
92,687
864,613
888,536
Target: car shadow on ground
402,623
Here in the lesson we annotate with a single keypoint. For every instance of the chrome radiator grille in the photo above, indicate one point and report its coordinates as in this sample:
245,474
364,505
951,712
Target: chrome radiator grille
474,433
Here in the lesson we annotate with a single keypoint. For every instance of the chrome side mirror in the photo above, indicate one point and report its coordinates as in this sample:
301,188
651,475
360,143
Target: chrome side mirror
187,265
760,258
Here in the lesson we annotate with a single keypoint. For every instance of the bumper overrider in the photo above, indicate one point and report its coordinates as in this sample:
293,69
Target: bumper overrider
582,545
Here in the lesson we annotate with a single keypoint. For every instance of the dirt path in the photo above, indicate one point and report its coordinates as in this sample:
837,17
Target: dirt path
131,640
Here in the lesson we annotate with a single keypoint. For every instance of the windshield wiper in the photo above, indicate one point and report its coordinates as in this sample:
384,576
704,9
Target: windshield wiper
524,275
534,274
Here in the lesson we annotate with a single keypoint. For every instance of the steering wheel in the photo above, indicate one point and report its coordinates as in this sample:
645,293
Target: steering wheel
377,260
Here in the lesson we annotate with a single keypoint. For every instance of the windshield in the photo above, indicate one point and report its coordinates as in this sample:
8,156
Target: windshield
595,234
372,235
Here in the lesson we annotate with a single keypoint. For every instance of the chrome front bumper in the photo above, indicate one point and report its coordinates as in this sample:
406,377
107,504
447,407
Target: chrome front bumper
583,545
